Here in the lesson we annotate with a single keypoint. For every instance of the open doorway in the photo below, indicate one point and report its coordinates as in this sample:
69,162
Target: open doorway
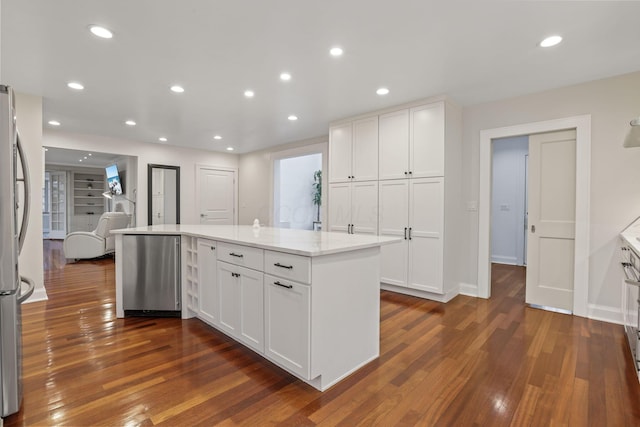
509,200
297,192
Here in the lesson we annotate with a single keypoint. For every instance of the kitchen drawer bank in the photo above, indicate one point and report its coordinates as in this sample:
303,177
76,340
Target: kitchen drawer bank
307,301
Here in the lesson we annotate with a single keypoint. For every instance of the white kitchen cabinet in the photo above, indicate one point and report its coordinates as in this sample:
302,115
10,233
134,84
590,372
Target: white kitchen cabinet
414,210
353,151
394,145
412,142
241,304
426,140
207,281
353,207
426,227
320,323
287,306
394,221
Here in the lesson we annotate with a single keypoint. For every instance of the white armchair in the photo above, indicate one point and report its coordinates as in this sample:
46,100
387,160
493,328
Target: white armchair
99,242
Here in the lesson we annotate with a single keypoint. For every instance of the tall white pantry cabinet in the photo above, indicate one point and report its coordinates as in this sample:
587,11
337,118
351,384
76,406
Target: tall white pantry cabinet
417,197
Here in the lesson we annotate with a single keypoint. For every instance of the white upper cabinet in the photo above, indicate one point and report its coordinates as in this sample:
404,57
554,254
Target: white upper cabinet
426,141
340,153
353,151
394,145
365,149
412,142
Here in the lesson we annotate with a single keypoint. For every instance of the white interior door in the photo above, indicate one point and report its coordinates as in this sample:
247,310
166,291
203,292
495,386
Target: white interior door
217,196
552,210
394,221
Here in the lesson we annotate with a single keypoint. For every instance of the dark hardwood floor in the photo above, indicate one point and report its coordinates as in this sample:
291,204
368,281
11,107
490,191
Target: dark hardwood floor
471,362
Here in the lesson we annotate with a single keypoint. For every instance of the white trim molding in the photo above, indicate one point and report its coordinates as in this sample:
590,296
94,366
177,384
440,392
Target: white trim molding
582,124
606,314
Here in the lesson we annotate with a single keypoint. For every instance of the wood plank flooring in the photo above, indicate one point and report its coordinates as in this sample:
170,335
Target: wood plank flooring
470,362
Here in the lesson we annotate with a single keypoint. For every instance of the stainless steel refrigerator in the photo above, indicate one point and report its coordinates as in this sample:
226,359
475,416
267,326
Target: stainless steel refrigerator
11,239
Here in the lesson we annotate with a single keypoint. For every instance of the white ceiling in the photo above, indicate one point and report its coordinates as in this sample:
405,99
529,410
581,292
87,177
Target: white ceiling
77,158
474,51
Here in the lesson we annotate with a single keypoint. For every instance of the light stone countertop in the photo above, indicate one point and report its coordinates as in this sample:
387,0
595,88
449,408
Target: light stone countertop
631,235
299,242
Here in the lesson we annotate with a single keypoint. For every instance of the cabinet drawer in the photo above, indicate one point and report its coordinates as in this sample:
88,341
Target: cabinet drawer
241,255
294,267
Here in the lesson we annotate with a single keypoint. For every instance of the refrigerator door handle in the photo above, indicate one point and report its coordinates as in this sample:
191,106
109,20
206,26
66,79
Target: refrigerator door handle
23,297
27,191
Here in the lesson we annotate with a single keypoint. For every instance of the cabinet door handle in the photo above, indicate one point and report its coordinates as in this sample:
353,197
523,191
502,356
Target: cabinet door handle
235,274
277,264
405,233
283,285
410,172
409,233
213,248
236,255
406,173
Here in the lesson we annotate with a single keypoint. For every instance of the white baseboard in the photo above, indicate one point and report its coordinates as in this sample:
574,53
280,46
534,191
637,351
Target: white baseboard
420,294
510,260
605,313
468,289
39,294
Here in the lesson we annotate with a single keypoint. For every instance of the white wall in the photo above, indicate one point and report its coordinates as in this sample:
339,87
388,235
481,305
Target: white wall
615,195
508,199
146,153
255,170
29,120
293,185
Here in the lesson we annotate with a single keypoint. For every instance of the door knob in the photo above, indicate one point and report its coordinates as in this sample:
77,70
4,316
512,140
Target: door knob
202,215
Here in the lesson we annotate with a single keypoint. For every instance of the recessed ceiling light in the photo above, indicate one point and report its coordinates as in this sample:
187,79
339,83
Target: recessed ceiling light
46,149
100,31
229,148
75,85
550,41
85,157
217,137
336,51
89,154
54,123
292,118
130,123
177,89
162,139
249,93
382,91
285,77
80,160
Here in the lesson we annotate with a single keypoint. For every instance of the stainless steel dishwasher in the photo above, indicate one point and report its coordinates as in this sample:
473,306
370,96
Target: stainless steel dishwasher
151,272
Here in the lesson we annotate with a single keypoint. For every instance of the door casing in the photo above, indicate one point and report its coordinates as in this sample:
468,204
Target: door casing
582,124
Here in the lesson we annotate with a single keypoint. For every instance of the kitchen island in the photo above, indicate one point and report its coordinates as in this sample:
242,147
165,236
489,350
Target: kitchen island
307,301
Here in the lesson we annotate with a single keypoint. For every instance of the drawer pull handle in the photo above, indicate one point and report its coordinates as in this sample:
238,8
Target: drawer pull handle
236,255
630,274
283,285
289,267
235,274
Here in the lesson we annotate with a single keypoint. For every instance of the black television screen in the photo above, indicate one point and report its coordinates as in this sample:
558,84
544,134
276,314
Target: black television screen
113,180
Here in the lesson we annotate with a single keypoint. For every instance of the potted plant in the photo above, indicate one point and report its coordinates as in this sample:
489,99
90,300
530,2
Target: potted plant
317,198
